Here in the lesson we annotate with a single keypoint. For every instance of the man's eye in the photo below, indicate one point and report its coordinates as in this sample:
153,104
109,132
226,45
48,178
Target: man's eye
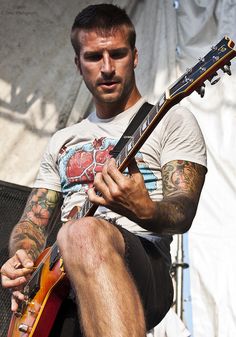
118,55
93,58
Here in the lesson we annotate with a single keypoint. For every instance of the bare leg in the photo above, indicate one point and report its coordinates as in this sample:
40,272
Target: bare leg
109,303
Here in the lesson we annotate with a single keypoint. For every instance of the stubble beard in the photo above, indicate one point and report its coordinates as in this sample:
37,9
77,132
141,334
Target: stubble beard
116,97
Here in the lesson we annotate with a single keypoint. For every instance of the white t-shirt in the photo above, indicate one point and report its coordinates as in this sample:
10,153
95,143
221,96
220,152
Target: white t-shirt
76,153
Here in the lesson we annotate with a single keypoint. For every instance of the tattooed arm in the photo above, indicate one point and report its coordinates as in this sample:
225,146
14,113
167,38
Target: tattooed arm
28,240
128,195
31,231
182,185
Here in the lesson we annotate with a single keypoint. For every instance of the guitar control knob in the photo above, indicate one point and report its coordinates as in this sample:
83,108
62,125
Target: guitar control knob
24,328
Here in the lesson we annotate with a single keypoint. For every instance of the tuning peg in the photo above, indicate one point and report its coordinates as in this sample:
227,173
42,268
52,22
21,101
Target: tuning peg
201,90
201,59
213,79
226,69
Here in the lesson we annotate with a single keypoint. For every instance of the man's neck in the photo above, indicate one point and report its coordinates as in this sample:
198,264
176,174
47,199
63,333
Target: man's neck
105,110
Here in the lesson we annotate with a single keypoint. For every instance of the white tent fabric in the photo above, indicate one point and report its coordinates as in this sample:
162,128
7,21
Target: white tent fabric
212,236
41,91
170,326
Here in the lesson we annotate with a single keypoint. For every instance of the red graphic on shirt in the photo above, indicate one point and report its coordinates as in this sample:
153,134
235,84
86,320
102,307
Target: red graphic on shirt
87,161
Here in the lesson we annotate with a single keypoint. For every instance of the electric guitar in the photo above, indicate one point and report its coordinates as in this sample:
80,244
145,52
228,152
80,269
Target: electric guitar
49,285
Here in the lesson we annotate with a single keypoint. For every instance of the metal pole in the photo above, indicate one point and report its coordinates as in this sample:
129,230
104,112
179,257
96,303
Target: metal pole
178,267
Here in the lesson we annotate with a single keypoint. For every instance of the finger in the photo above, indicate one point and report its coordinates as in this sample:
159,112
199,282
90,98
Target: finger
10,275
95,198
111,173
103,184
9,272
24,258
135,174
133,167
17,297
12,283
14,304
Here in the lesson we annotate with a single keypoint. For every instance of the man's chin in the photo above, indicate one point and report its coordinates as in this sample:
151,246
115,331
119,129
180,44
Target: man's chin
109,98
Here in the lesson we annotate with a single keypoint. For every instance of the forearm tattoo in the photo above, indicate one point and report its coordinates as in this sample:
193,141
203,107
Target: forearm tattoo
31,231
182,184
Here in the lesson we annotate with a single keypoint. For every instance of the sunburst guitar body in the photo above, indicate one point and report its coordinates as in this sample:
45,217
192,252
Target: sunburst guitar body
44,293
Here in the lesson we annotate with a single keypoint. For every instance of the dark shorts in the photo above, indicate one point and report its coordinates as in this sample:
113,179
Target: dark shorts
151,276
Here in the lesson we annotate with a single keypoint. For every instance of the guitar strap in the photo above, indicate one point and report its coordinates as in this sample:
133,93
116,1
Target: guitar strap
136,121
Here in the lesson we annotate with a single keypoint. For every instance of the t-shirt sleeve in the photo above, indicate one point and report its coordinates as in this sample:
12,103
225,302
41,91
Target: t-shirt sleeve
48,176
181,138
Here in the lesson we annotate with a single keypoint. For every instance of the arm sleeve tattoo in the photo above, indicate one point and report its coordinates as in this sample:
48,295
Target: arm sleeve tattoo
185,177
31,231
182,185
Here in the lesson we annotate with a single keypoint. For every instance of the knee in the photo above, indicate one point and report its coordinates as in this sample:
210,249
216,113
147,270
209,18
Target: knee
86,230
92,241
75,234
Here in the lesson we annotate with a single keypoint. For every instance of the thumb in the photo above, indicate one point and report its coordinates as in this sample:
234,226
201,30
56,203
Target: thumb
133,167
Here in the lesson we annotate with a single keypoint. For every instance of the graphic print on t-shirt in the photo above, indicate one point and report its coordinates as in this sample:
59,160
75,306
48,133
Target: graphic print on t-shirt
79,164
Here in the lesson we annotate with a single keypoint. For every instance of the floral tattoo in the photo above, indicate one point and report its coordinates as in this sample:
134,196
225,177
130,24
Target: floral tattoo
31,231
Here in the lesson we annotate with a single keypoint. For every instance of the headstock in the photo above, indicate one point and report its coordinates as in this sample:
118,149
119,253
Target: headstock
206,69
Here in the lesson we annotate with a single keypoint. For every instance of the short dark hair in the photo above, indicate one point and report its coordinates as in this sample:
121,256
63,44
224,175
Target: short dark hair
103,18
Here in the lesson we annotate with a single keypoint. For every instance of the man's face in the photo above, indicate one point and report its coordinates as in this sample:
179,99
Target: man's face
107,64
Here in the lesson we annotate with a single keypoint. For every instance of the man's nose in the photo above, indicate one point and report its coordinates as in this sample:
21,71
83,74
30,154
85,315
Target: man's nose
107,68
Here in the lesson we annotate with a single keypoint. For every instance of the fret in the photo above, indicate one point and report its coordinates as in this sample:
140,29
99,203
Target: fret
152,113
144,125
161,101
135,138
137,134
123,155
130,145
119,158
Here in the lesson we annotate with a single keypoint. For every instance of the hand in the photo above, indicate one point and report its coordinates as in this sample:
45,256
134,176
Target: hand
15,273
126,195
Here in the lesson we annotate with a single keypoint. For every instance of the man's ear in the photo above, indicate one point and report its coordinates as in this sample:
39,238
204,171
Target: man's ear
135,57
77,62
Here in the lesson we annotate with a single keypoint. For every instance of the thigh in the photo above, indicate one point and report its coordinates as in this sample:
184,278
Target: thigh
151,276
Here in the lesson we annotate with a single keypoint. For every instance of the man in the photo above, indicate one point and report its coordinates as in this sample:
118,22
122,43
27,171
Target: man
117,261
